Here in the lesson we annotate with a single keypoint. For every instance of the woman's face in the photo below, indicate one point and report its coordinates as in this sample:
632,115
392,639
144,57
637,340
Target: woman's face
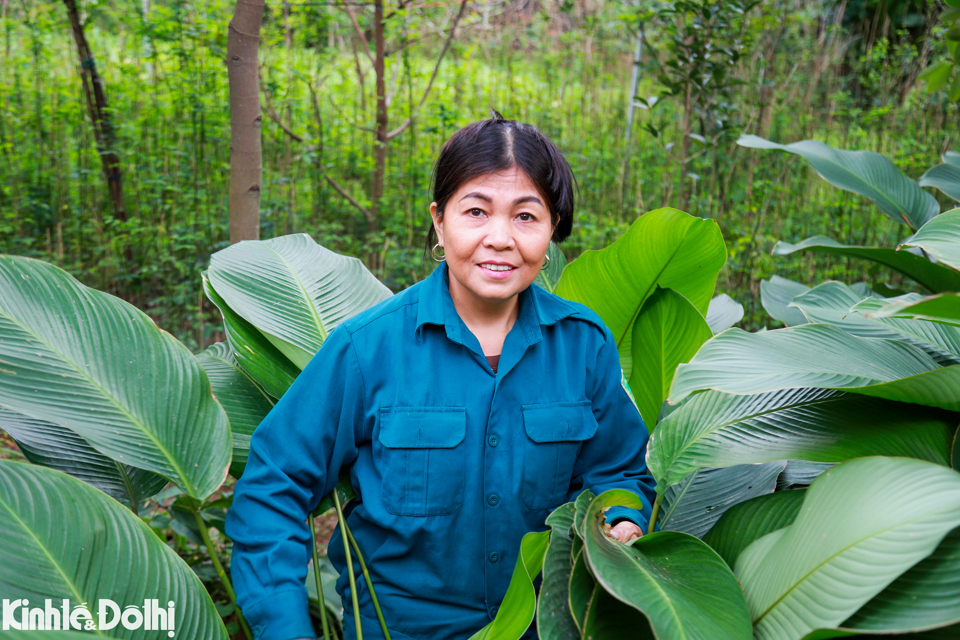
495,232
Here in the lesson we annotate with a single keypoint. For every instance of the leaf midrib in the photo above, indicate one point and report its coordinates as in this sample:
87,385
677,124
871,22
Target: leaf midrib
752,416
296,278
70,584
136,422
857,542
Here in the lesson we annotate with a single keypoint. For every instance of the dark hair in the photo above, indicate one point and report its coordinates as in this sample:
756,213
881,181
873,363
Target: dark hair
497,144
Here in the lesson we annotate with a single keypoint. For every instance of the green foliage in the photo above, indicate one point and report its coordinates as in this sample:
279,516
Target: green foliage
645,281
565,70
101,551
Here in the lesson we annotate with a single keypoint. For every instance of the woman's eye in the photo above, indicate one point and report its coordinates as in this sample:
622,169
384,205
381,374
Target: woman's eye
475,211
529,216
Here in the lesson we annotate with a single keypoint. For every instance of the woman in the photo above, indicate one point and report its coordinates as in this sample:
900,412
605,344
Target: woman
469,405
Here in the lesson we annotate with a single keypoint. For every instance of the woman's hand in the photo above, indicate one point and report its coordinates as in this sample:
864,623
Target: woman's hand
625,531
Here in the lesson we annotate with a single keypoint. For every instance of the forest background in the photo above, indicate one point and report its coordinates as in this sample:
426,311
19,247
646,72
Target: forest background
844,72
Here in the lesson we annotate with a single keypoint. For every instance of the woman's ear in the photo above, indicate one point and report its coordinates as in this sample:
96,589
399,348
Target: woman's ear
437,222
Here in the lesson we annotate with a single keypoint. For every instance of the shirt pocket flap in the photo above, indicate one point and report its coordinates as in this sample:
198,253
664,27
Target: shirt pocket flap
422,427
559,421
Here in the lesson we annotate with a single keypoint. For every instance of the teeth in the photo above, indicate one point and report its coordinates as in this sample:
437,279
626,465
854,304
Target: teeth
497,267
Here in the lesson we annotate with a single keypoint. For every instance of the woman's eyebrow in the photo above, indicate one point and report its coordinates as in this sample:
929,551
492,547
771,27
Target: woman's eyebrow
480,196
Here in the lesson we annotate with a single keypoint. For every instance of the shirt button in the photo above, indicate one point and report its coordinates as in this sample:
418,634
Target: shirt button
493,611
493,440
493,499
494,556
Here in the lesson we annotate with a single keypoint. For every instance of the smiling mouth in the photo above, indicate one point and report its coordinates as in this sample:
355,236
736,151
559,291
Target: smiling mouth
496,267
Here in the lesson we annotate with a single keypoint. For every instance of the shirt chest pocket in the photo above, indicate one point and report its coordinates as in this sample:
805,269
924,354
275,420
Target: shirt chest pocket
423,462
554,434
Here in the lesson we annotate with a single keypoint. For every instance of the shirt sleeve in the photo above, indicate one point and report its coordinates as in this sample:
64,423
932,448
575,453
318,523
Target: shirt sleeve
296,454
615,457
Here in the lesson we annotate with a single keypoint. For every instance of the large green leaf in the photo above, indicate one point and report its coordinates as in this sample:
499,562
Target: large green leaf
610,619
801,473
520,603
940,238
56,447
695,505
933,276
817,355
245,402
831,302
667,331
582,588
945,177
549,277
96,365
664,247
256,355
942,307
293,290
328,581
682,586
719,430
751,520
776,293
926,596
723,313
865,172
63,539
554,620
852,537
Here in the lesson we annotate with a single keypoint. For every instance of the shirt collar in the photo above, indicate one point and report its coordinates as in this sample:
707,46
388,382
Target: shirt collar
537,308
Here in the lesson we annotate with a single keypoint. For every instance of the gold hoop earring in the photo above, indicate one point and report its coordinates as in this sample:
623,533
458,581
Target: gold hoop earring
433,252
546,262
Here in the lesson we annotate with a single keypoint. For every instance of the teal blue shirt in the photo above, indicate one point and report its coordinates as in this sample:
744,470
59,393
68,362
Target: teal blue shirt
452,463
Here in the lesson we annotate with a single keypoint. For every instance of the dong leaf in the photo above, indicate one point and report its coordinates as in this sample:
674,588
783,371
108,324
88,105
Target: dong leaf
681,585
96,365
775,296
817,355
666,248
830,303
851,538
865,172
549,277
554,620
714,429
50,445
293,290
942,307
945,177
105,552
245,402
668,330
926,596
723,313
520,603
751,520
256,355
934,276
695,505
940,238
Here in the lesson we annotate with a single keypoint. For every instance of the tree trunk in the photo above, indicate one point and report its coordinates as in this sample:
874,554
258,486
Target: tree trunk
103,131
243,42
380,167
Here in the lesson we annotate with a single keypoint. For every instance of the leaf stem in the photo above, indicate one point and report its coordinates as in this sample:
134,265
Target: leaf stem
654,513
366,576
346,552
316,574
205,534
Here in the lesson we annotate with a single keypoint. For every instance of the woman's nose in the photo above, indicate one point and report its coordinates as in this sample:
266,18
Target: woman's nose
499,233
